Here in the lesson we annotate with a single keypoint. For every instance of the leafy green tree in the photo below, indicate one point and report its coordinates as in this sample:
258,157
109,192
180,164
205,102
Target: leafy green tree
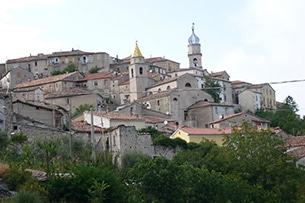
70,68
257,157
152,131
213,88
4,141
95,69
85,185
80,109
56,72
129,159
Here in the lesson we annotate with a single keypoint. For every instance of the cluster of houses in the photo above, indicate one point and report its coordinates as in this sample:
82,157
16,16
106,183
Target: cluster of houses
126,95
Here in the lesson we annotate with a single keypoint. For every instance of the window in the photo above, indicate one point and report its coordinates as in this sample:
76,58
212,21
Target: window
175,99
18,75
35,63
188,85
159,90
67,100
216,110
141,70
224,87
195,62
132,73
168,87
95,83
158,102
113,140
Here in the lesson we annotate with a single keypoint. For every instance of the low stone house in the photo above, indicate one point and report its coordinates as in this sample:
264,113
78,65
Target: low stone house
198,135
124,139
201,113
113,119
51,115
232,120
73,98
15,76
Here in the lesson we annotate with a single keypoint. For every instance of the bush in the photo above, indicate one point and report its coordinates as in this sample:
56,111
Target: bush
15,178
27,197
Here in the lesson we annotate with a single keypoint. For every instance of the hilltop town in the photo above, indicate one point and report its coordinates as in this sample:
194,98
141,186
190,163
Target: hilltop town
41,94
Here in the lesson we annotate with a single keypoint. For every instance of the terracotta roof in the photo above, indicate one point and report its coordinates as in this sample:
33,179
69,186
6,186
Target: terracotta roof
28,58
202,103
42,81
217,74
71,92
68,53
41,105
96,76
81,126
157,59
206,131
125,82
295,141
168,80
154,96
239,114
239,84
297,153
119,116
151,119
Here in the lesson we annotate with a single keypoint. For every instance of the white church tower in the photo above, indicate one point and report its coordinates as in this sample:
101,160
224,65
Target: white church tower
137,75
194,52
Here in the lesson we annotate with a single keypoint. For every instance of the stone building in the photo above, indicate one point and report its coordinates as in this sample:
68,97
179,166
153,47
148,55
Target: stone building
250,100
42,65
237,119
15,76
124,139
201,113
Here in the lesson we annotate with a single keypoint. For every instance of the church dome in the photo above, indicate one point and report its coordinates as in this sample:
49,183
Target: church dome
193,39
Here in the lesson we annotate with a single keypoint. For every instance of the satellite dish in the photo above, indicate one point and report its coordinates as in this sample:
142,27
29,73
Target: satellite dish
167,113
165,122
221,116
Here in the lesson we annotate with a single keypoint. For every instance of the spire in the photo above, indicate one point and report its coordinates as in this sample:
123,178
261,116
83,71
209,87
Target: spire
136,52
193,39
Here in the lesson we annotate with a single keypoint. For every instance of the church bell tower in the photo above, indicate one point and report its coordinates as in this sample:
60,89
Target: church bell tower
194,52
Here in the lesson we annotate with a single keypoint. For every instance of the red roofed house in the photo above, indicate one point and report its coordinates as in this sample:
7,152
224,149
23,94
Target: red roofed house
200,134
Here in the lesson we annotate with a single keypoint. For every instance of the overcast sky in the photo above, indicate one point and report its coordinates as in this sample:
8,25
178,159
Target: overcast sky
256,41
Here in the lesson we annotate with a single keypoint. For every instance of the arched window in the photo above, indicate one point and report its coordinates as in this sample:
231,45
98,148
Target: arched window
188,84
132,73
175,99
195,62
158,102
168,87
159,90
141,70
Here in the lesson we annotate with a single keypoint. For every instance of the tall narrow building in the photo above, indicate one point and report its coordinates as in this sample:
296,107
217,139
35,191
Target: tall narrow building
137,75
194,52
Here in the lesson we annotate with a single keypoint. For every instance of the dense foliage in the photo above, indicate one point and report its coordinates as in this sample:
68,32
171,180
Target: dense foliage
69,69
251,167
80,109
95,69
285,117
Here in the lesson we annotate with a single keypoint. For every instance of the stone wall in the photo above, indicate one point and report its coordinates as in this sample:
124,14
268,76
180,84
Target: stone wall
124,139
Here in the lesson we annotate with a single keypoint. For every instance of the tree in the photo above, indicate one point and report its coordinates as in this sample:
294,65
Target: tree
95,69
69,69
257,157
80,109
213,88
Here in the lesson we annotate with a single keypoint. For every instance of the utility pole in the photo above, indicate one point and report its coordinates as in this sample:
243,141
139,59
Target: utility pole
70,123
92,134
